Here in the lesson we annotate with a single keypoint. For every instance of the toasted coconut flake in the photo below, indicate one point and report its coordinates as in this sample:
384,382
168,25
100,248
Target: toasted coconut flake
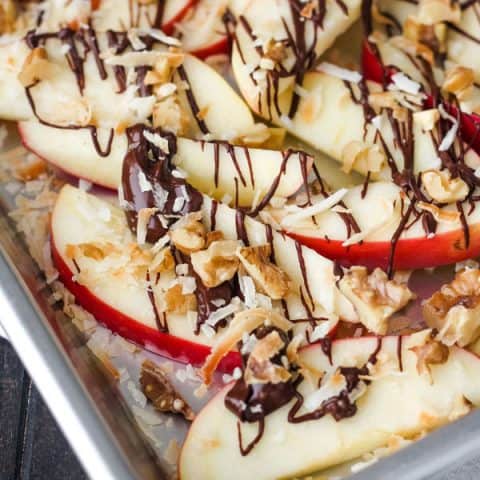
459,81
35,68
405,84
427,118
439,214
443,188
259,368
144,216
189,236
360,156
342,73
315,209
243,322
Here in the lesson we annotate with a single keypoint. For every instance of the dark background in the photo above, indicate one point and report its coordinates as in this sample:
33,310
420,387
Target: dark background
31,445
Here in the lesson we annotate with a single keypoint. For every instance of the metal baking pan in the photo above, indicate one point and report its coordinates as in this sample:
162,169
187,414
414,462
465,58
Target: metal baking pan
93,413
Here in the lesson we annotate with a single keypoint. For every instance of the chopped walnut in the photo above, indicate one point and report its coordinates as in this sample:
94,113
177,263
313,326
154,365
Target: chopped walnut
259,368
171,116
189,237
439,214
268,278
8,15
427,119
442,188
459,81
177,302
374,296
36,67
430,353
158,389
455,309
431,12
217,264
362,157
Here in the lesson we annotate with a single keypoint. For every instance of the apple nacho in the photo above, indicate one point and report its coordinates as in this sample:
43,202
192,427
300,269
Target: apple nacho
175,187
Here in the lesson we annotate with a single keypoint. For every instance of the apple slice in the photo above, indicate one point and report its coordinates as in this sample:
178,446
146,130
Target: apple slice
119,301
217,169
397,402
58,100
378,216
109,286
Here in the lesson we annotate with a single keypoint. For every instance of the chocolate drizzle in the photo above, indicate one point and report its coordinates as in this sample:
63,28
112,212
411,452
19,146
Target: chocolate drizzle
144,158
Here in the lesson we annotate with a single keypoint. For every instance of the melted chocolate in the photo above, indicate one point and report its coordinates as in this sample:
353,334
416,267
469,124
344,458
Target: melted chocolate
143,158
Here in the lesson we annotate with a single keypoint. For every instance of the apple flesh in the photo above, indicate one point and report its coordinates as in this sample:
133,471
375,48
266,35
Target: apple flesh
234,171
375,214
403,403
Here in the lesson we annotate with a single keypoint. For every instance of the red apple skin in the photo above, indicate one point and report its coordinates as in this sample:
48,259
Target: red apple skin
221,46
374,70
411,253
158,342
169,26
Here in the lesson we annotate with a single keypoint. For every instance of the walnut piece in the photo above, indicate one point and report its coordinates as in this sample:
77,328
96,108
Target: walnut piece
163,261
217,264
374,296
459,81
158,389
259,368
455,309
177,302
362,157
189,237
442,188
268,278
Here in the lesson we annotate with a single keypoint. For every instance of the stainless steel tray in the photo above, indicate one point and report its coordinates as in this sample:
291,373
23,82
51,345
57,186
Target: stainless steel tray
92,412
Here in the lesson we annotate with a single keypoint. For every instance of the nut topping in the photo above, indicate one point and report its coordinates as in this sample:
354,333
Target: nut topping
170,115
427,119
216,264
8,14
455,309
35,68
189,237
259,368
268,278
442,188
158,389
374,296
